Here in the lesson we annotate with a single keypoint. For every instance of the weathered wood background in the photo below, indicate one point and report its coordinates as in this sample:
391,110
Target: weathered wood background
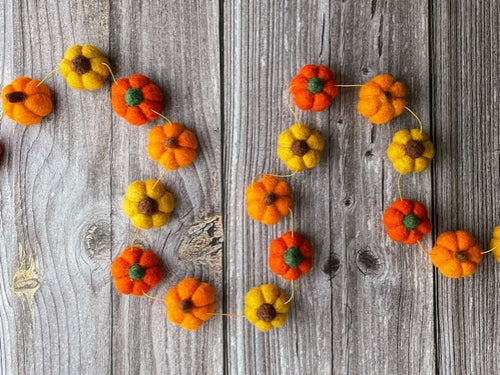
370,306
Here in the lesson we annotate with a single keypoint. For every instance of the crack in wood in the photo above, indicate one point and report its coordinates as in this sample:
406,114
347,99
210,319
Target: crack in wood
25,281
202,243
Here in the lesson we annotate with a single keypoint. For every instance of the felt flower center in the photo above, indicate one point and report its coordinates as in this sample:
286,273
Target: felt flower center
315,85
461,256
411,221
266,312
270,198
147,206
387,95
186,305
15,97
136,272
293,257
300,148
414,149
171,142
133,97
80,64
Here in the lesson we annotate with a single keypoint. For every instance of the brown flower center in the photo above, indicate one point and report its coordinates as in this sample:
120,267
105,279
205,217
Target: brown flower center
461,256
388,95
266,312
414,149
16,97
171,142
270,198
300,148
147,206
186,305
80,64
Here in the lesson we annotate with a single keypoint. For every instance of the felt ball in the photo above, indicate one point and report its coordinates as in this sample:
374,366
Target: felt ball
407,221
265,307
456,254
290,256
382,99
300,147
136,99
148,204
313,88
26,101
410,151
190,303
136,271
172,145
83,67
495,243
268,200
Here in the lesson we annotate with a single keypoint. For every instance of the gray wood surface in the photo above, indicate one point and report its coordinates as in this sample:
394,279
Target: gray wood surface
370,306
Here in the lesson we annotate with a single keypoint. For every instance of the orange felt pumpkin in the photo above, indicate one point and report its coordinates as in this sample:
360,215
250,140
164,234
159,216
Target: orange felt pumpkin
26,101
172,145
290,256
136,271
190,303
268,200
406,221
456,254
382,99
135,98
313,88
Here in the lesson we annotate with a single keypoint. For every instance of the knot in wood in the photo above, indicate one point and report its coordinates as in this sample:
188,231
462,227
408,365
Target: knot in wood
147,206
414,149
300,148
266,312
80,64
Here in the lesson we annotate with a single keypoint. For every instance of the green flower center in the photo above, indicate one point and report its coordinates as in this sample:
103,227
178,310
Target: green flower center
315,85
136,272
133,97
293,257
411,221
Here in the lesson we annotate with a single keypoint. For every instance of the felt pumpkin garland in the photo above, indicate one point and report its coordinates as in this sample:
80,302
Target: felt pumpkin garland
148,204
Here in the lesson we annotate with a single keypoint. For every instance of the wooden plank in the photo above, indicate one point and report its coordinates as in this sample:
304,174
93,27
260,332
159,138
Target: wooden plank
368,304
177,46
465,45
55,200
385,289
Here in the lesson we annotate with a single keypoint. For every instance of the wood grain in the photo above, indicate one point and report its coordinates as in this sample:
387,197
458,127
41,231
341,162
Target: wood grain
465,69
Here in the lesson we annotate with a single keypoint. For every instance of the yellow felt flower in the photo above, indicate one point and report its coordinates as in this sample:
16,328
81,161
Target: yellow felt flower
148,204
410,151
265,307
300,147
495,243
83,67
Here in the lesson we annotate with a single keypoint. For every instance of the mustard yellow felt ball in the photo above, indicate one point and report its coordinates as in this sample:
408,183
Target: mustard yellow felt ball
83,67
300,147
410,151
265,307
495,243
148,204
